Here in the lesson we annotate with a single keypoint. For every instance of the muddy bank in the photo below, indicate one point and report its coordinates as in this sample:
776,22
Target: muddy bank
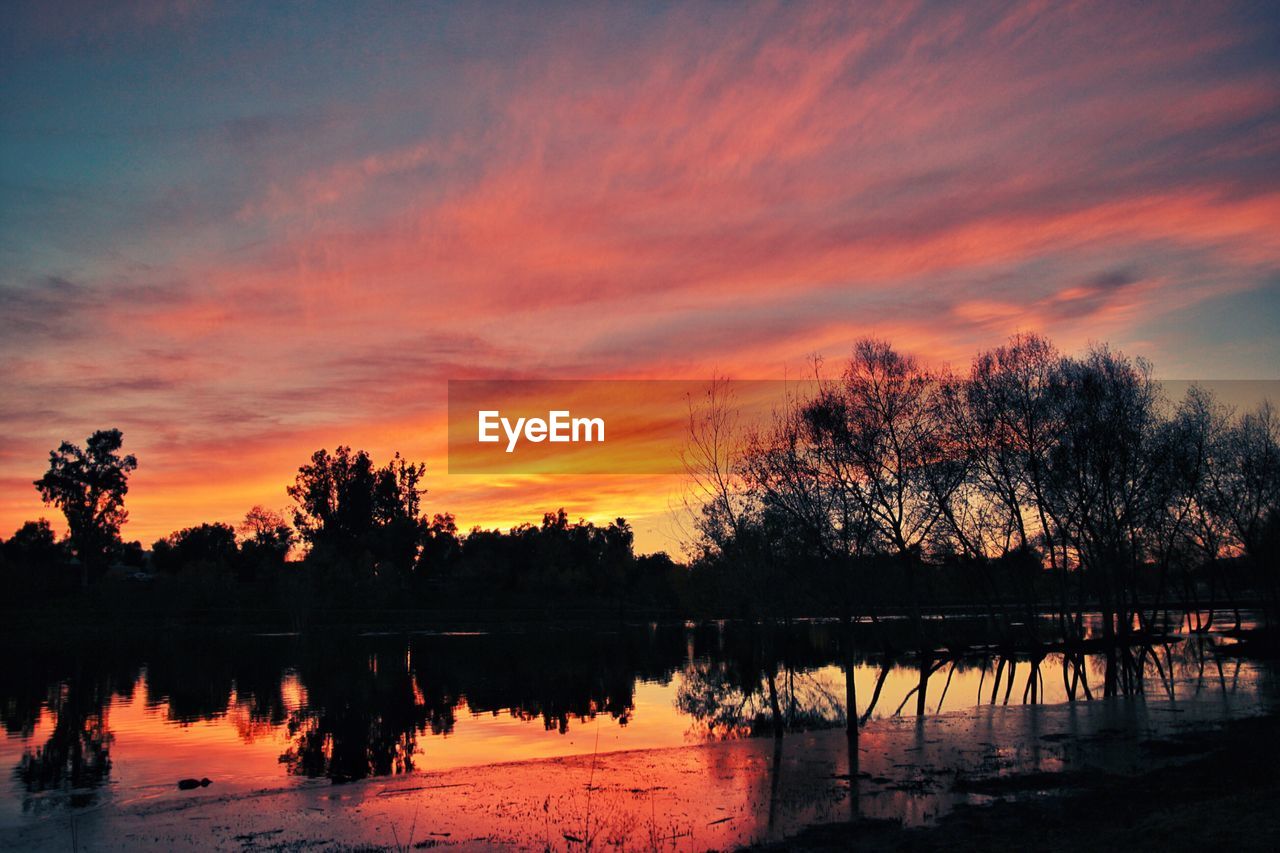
1221,795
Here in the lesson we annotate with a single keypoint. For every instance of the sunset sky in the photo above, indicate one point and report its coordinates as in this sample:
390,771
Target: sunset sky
243,232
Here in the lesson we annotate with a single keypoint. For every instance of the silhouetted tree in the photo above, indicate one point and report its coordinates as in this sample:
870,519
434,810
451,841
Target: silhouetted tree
1003,420
1102,469
1245,491
265,527
363,523
33,544
1177,537
440,547
265,540
1031,456
815,511
1204,425
205,546
33,560
89,486
889,431
342,496
713,460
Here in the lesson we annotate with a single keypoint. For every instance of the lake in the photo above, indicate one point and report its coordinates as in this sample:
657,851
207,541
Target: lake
101,721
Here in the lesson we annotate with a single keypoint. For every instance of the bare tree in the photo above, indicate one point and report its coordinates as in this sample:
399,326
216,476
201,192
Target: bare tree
728,515
805,479
720,500
1032,458
1101,471
880,424
1245,489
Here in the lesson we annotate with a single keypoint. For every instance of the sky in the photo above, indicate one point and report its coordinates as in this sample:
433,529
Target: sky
241,232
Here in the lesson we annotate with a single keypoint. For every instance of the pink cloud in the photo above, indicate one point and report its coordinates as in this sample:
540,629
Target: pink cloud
730,189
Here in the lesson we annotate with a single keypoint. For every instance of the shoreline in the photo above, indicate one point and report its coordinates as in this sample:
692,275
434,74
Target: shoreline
1222,793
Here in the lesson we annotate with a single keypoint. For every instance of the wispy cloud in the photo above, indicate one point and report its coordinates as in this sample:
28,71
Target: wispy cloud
241,232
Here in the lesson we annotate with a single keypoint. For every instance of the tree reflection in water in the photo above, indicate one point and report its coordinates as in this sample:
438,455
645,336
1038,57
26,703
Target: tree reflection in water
723,704
77,755
355,706
74,692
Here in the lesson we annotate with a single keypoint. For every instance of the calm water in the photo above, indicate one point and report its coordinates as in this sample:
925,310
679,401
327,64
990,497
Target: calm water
119,717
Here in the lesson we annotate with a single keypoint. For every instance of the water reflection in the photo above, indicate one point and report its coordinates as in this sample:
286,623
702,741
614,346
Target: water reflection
77,754
145,710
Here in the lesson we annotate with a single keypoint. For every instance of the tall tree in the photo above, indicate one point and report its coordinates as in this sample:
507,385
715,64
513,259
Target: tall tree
1102,475
89,486
1245,490
887,428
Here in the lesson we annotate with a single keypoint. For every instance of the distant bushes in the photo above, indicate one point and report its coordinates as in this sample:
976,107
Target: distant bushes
362,543
33,563
206,547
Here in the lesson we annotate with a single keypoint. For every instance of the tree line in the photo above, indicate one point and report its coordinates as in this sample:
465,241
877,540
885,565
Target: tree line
365,543
1034,481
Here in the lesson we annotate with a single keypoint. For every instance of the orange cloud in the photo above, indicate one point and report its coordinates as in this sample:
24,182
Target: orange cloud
631,193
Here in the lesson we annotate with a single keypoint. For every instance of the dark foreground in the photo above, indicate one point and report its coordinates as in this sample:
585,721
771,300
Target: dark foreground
1101,776
1222,792
629,740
